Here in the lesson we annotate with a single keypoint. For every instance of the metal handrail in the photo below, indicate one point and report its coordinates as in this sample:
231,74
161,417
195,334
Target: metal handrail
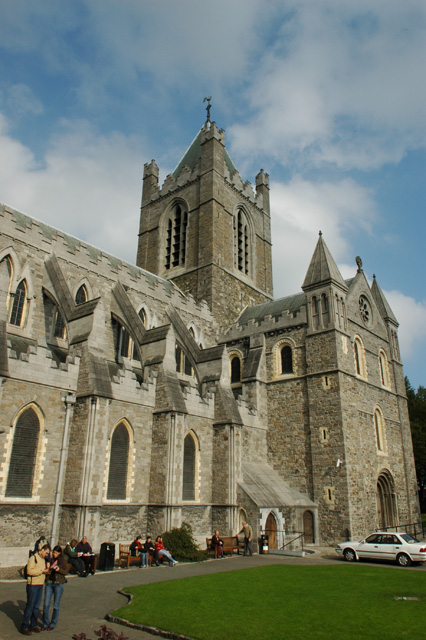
298,535
301,535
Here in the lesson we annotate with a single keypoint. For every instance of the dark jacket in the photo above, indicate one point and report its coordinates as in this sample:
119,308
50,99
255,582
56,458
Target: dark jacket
135,547
58,577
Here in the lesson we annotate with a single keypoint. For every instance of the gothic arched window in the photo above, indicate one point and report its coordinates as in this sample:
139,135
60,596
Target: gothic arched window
176,237
23,457
189,467
143,317
118,463
242,242
81,296
359,356
379,430
384,369
19,297
59,328
235,370
183,363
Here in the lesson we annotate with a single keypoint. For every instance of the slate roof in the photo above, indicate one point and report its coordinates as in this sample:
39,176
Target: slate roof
193,154
267,489
290,304
322,268
383,305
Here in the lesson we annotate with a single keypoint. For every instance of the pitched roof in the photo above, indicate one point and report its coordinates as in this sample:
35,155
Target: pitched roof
322,268
382,304
267,489
290,304
193,154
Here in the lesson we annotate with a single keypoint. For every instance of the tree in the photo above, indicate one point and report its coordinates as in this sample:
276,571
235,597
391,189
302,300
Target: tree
417,413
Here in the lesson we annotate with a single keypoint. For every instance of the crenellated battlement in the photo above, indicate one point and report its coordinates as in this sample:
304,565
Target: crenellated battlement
47,239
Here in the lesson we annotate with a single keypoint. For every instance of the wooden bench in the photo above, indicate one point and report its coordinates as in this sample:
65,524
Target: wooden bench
230,544
125,555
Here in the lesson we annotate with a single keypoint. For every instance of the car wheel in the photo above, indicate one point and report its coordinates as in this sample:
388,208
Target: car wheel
403,560
349,555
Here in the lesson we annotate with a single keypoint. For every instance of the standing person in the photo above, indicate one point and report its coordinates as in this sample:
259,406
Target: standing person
248,538
42,540
217,545
75,559
149,549
54,586
87,555
162,551
37,568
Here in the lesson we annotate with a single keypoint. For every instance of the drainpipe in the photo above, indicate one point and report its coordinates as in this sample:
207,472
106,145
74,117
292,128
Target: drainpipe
69,401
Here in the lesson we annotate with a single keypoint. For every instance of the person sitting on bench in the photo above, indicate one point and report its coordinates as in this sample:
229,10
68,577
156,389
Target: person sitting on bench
162,551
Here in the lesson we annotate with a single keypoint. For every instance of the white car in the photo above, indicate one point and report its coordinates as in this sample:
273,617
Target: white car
383,545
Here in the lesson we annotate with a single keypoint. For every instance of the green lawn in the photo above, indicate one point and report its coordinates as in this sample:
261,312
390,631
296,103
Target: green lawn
343,602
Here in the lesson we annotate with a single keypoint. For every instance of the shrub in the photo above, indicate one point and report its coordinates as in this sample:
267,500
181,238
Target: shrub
182,544
103,633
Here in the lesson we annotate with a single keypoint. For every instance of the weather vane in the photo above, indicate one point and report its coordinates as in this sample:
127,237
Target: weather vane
209,106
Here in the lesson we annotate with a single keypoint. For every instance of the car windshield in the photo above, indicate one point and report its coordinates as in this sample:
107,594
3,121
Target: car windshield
407,538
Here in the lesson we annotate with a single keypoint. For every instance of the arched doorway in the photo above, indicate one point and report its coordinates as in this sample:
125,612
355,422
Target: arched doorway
271,530
308,527
242,517
386,500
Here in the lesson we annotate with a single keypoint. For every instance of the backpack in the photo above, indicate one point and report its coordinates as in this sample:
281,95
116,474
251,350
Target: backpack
24,571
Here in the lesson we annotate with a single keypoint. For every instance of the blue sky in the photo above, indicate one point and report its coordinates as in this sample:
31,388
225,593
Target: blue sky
327,96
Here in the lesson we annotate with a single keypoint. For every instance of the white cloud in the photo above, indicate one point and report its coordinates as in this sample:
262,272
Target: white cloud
20,100
343,83
300,209
411,315
89,185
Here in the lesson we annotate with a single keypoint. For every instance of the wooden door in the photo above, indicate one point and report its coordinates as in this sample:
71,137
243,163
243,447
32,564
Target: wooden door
271,530
308,527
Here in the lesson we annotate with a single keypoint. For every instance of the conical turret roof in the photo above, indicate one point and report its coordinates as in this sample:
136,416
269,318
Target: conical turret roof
382,304
322,269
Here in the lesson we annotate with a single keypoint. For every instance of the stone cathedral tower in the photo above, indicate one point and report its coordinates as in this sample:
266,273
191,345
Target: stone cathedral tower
179,390
207,230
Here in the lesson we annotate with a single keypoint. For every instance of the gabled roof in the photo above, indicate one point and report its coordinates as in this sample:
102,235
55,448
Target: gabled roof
322,269
193,154
267,489
382,304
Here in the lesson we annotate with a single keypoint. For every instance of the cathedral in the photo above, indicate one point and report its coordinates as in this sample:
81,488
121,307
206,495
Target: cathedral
134,398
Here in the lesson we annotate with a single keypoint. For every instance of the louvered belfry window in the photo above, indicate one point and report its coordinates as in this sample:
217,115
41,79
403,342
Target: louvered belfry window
188,488
242,243
24,452
176,238
117,478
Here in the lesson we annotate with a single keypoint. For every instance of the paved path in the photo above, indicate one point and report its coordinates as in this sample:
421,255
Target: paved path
86,602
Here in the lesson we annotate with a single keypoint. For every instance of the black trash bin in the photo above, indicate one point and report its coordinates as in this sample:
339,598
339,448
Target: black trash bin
106,557
264,543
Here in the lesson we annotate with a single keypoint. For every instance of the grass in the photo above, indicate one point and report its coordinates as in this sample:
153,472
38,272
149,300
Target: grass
344,602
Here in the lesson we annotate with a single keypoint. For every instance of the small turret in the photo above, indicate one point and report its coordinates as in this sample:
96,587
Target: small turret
150,181
325,290
262,187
